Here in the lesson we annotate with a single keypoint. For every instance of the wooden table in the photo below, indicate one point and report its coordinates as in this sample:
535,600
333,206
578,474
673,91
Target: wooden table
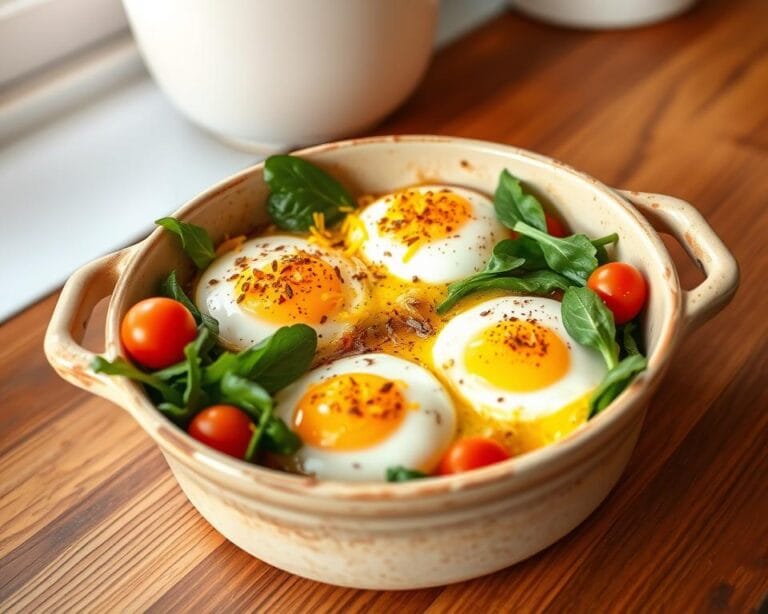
92,519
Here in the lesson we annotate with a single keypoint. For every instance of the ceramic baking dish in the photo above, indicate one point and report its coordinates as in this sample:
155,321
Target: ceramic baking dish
428,532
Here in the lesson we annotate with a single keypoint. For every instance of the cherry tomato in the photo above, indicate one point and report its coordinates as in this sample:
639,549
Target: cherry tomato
555,226
223,427
155,331
471,453
621,287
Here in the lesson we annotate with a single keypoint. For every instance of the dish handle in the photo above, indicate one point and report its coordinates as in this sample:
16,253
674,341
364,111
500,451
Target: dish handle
64,336
681,220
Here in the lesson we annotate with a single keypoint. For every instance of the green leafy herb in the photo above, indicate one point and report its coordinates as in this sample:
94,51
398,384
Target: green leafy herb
246,394
590,322
172,289
508,253
258,434
403,474
298,189
120,366
628,341
194,396
280,359
513,205
278,438
537,282
615,381
573,257
194,240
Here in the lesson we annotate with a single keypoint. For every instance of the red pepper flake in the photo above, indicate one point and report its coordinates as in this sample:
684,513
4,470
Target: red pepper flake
288,291
274,265
213,282
485,313
386,387
323,319
415,279
241,298
337,270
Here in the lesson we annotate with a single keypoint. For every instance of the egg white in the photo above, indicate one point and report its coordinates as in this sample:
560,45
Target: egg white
418,443
587,367
462,253
239,329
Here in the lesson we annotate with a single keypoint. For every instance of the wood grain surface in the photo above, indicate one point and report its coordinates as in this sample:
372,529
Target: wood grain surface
92,520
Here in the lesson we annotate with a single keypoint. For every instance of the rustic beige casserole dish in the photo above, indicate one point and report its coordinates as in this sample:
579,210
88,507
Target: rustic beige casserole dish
419,533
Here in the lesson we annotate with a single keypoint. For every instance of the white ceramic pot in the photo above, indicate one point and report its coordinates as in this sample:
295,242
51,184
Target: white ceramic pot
602,13
270,72
425,532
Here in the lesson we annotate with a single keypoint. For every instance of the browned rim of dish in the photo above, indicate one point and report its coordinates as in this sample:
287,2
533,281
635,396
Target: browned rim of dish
527,469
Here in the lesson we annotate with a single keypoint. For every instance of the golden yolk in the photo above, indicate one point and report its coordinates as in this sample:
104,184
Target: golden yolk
518,356
415,217
350,411
519,436
296,288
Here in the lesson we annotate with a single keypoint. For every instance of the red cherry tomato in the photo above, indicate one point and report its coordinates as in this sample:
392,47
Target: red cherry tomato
621,287
555,226
155,331
223,427
471,453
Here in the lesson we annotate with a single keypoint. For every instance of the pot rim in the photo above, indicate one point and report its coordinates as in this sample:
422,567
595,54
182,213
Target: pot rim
536,465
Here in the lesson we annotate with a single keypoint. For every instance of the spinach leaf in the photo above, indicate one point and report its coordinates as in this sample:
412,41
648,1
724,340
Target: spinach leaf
246,394
272,433
615,381
172,289
257,436
508,252
535,282
226,362
513,205
299,189
278,438
590,322
280,359
573,257
120,366
194,240
194,395
403,474
176,414
628,340
600,252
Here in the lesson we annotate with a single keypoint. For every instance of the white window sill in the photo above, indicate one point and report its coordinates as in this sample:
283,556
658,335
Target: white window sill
86,170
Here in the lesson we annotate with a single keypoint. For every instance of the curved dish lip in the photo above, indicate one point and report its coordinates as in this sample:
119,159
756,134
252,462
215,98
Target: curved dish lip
537,465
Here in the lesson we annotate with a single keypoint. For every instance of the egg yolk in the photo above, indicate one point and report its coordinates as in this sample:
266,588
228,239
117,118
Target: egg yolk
296,288
517,355
416,217
350,411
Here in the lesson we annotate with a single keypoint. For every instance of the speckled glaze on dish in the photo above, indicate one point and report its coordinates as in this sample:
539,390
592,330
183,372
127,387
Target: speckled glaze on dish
420,533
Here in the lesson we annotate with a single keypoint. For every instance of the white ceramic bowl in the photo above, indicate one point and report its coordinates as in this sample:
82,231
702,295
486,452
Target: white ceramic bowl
428,532
602,14
261,72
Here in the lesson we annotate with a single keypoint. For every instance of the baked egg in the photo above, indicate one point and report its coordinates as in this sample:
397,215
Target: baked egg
279,280
523,378
359,415
437,234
